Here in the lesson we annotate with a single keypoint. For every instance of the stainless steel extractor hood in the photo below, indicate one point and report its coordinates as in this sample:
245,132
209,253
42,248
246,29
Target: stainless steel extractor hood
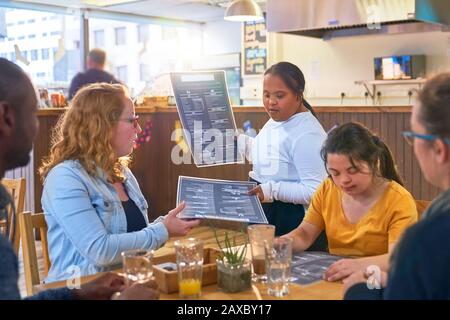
334,18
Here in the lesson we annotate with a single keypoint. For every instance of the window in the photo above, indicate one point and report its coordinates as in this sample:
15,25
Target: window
51,71
144,72
120,36
24,54
3,55
20,22
122,73
21,38
11,38
45,54
99,38
34,55
142,33
9,24
146,66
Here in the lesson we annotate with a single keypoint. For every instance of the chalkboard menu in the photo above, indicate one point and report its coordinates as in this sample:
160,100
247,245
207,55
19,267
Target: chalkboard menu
255,47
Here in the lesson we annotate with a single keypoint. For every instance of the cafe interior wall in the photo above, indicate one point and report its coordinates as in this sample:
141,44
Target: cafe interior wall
221,37
332,66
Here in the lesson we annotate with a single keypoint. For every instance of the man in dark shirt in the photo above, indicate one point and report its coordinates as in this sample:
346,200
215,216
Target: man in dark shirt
95,63
18,128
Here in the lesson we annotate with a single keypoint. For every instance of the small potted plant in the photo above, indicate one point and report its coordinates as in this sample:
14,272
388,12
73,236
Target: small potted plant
233,269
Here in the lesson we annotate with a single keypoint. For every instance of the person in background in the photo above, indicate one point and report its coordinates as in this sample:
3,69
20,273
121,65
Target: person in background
286,152
96,60
419,266
362,206
92,202
18,128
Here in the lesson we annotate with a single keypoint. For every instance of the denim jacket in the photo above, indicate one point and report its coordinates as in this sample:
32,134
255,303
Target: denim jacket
87,226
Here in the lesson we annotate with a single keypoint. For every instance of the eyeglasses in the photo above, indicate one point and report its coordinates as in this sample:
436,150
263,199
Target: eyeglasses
410,136
133,120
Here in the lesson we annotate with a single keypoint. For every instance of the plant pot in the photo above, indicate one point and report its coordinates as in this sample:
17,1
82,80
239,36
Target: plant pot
233,277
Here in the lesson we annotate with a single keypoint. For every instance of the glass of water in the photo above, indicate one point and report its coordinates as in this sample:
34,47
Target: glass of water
137,266
278,266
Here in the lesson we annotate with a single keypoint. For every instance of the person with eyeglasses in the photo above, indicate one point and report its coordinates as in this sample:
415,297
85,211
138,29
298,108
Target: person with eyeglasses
18,129
92,202
419,266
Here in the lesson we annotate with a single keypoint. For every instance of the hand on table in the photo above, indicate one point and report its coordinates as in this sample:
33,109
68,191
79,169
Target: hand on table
342,269
140,291
371,278
101,288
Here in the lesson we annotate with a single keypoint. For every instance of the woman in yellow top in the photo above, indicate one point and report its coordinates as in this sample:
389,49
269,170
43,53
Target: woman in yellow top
362,206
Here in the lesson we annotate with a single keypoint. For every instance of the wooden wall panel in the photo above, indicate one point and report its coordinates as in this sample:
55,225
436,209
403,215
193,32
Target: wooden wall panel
42,149
158,175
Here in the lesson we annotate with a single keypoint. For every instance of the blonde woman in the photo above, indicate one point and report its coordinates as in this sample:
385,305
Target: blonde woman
93,205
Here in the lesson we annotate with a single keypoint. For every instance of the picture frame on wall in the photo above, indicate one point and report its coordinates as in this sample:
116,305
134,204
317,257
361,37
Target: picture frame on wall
254,48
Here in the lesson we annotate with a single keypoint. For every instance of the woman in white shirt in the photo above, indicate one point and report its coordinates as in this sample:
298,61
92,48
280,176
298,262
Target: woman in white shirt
286,152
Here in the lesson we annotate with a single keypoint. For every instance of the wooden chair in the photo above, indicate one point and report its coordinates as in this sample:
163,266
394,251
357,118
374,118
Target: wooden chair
422,205
28,223
17,188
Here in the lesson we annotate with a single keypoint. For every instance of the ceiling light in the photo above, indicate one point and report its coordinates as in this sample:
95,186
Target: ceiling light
243,10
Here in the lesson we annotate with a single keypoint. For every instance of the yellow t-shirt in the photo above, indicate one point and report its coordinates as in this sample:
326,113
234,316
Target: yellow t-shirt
382,225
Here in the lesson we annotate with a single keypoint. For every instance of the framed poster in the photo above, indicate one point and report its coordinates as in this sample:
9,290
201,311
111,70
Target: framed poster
254,47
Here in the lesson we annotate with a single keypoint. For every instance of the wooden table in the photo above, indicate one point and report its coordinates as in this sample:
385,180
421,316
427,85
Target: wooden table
321,290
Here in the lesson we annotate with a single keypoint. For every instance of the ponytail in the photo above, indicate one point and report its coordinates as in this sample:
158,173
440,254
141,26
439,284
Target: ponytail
388,169
310,109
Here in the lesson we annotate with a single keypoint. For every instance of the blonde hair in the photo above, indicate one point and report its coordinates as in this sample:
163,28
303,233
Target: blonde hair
85,132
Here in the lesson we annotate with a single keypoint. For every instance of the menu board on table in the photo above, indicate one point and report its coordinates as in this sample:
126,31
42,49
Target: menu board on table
255,47
204,108
219,199
309,266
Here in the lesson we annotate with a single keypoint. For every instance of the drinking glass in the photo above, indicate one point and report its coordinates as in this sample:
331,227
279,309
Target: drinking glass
189,254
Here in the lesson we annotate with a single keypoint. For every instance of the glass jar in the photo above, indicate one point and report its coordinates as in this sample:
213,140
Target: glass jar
233,277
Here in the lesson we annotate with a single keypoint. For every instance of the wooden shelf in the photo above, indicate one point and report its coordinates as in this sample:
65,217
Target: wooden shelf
375,83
